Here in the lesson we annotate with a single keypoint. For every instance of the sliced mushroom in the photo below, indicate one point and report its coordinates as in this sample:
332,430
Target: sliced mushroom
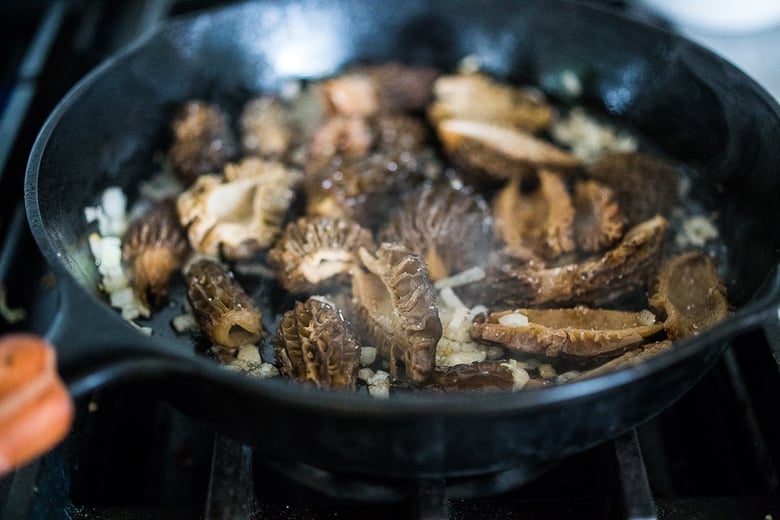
315,344
689,290
477,97
241,214
626,267
485,376
631,358
492,151
390,87
202,140
396,307
317,251
599,220
225,313
535,223
449,228
644,185
366,187
579,332
154,246
267,128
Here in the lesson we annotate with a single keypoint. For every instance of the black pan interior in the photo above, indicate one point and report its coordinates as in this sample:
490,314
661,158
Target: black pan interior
694,106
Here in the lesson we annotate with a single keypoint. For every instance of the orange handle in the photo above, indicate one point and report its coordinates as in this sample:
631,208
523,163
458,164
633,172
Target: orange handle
36,411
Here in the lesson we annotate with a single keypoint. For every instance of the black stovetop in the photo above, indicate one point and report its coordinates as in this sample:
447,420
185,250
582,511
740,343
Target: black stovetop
711,455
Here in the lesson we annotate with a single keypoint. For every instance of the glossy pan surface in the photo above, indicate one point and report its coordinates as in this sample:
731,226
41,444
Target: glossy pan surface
695,106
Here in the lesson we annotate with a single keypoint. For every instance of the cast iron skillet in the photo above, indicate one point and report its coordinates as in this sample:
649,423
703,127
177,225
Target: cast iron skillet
698,108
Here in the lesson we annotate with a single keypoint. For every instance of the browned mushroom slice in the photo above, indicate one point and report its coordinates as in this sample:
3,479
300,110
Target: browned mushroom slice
154,246
449,228
396,306
539,223
486,376
691,293
631,358
390,87
479,98
599,222
316,251
488,149
345,135
626,267
225,313
364,188
241,214
267,128
579,332
202,140
315,344
643,185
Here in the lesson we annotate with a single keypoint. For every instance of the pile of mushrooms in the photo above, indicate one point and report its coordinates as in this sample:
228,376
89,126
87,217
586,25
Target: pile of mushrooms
432,219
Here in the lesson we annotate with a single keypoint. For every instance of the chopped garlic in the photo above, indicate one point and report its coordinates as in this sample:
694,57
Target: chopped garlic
378,382
514,319
520,376
185,323
474,274
645,317
367,356
111,214
696,231
547,371
249,354
588,138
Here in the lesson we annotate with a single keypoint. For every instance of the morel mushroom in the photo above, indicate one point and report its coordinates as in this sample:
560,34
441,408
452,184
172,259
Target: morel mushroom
485,376
267,128
396,306
689,290
449,228
477,97
538,222
579,332
315,344
630,358
366,187
644,186
490,151
241,214
369,90
318,251
202,140
154,246
225,313
599,220
620,270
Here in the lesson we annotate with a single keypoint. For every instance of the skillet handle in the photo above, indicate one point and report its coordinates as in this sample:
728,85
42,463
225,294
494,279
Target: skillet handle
96,346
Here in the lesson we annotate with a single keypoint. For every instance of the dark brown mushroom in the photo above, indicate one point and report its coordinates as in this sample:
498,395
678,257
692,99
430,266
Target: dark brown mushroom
202,140
315,344
477,97
396,307
577,332
268,128
225,313
491,151
596,281
538,223
154,246
366,187
689,290
484,376
390,87
317,251
630,358
449,228
643,185
599,220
